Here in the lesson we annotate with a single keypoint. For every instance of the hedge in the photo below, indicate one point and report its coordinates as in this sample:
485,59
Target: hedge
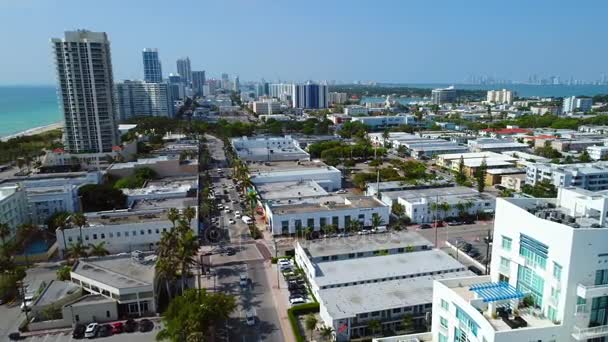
297,311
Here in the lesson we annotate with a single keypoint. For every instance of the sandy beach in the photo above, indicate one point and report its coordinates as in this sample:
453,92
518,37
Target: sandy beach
34,131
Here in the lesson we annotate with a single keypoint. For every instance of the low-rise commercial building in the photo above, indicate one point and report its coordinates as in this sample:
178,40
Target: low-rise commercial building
268,149
13,208
163,166
137,228
579,145
513,182
384,121
598,152
328,177
426,205
373,189
495,176
355,110
589,176
285,190
381,277
266,107
496,145
166,188
287,216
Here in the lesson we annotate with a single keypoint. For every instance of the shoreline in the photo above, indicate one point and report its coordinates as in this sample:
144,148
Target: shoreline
33,131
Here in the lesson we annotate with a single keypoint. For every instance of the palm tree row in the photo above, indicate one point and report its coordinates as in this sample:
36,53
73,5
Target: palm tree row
80,250
177,249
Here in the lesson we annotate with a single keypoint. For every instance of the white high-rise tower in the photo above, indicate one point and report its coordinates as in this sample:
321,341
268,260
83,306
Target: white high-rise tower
86,91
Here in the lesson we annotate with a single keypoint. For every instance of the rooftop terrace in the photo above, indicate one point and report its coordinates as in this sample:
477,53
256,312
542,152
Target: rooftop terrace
117,271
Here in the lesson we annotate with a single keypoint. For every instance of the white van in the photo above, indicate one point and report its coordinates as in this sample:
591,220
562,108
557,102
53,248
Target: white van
380,229
247,220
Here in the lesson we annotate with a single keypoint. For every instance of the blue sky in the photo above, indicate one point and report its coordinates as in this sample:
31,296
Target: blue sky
388,41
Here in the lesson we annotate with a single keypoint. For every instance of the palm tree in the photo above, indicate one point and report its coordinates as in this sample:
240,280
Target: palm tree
79,220
63,273
61,222
98,249
189,213
252,197
434,209
5,231
461,209
377,221
76,250
327,333
173,216
444,207
310,322
187,248
407,321
165,270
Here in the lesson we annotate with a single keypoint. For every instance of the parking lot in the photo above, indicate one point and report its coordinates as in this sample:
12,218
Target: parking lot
293,280
67,336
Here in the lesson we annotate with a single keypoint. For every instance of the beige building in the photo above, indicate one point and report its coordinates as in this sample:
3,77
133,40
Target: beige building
500,96
513,182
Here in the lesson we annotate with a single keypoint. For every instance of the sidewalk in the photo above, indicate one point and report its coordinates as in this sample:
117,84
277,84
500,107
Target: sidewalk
279,296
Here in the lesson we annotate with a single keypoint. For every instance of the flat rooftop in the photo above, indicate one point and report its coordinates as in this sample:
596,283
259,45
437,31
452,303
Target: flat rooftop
118,271
344,302
91,299
385,267
164,186
142,211
507,171
278,190
468,155
323,203
7,191
277,166
404,185
143,162
301,172
55,291
450,195
362,243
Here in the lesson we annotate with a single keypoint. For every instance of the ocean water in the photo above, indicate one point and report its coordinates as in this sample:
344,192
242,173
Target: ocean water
25,107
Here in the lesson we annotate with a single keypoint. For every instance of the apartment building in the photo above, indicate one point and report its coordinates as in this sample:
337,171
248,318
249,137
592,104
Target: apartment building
589,176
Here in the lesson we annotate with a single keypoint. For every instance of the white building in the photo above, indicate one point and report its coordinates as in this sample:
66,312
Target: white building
577,104
496,145
88,104
551,251
443,95
337,98
287,216
137,228
163,166
328,177
500,96
419,207
139,98
383,121
598,152
128,281
280,90
381,277
13,207
355,110
589,176
266,107
268,149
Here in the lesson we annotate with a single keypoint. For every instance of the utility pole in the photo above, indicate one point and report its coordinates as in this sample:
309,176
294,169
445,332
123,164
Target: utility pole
488,241
276,256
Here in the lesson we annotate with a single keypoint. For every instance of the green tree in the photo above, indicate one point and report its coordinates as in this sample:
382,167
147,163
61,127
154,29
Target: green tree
326,333
310,322
80,221
63,273
98,249
101,197
374,326
461,177
398,209
173,215
195,315
585,158
377,221
408,322
76,250
5,231
480,175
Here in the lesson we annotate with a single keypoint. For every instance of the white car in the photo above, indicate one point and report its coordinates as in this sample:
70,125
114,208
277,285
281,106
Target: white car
26,305
296,300
250,317
284,262
237,215
227,210
91,330
231,221
342,191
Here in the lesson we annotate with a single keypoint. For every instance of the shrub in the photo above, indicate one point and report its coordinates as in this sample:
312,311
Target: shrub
299,310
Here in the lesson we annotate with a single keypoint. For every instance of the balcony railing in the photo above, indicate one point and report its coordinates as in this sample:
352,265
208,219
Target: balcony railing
581,334
506,270
592,291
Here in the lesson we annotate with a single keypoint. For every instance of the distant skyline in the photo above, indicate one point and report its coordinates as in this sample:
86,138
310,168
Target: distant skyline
385,41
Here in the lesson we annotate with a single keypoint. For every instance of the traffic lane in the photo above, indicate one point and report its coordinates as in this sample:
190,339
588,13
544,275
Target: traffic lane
67,337
12,316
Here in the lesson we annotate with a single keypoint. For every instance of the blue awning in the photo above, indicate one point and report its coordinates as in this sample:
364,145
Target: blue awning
494,292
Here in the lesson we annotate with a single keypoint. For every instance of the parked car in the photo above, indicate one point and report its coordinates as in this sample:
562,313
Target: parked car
244,279
284,262
78,331
341,191
26,305
231,221
250,317
145,325
130,326
104,330
425,226
91,330
230,251
454,223
118,328
380,229
296,300
298,293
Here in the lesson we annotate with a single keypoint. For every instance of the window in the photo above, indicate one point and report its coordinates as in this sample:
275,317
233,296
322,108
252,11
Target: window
363,315
103,236
506,243
465,319
108,313
555,294
94,236
126,233
69,238
443,322
157,231
325,258
400,250
323,221
601,277
534,251
284,224
335,220
141,232
443,338
77,318
505,264
298,224
351,255
552,313
397,310
557,271
346,220
310,222
149,231
445,305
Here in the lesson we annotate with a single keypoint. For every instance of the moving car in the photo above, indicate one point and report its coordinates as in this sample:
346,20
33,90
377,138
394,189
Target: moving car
145,325
118,328
296,300
79,331
231,221
250,317
26,305
104,330
91,330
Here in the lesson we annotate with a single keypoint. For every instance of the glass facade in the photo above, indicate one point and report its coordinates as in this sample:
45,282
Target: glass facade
530,282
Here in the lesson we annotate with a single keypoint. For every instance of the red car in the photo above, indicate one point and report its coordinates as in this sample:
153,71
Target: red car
117,328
